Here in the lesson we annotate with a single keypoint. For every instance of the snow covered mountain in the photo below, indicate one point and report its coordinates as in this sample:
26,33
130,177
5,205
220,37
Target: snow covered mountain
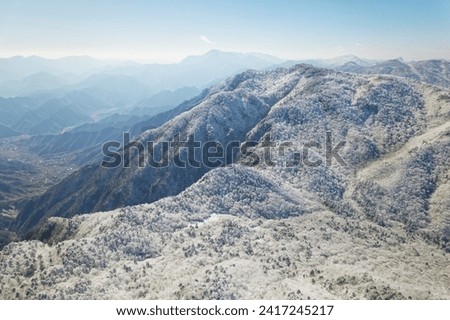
333,63
435,72
375,227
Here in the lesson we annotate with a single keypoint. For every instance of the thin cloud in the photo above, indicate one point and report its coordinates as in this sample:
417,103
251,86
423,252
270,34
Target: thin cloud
206,40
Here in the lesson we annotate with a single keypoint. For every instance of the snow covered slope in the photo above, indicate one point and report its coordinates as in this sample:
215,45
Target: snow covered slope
436,72
375,228
226,114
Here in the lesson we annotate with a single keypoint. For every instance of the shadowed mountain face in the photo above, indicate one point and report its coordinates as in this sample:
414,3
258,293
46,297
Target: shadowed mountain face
41,81
6,132
14,177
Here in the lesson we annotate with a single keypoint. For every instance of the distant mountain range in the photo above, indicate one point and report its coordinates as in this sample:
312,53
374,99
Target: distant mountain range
43,96
21,76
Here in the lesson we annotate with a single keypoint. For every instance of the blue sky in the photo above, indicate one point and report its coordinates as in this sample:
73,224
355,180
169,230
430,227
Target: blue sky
167,31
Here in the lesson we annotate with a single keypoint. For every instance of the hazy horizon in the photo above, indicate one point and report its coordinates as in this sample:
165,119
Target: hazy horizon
148,31
122,61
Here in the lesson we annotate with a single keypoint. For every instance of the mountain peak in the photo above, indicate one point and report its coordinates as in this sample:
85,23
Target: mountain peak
218,56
